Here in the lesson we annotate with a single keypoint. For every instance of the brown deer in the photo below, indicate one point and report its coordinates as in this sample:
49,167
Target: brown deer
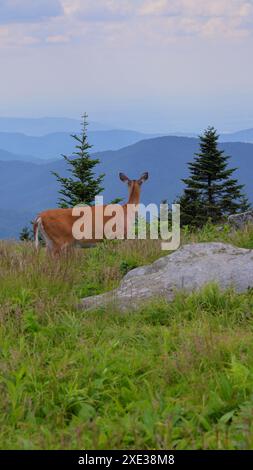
56,225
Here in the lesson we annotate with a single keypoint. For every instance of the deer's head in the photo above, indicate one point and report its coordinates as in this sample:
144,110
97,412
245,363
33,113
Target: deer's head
134,186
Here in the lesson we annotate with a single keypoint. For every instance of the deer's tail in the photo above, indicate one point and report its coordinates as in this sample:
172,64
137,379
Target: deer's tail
36,227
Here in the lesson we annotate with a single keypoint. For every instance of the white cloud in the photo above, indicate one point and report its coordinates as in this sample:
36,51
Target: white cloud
58,39
101,10
199,17
197,8
120,21
18,36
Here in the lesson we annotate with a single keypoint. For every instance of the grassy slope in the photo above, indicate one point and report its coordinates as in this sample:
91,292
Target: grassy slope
176,375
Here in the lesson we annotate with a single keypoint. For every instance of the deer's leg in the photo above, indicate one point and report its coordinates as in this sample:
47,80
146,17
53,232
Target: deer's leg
55,250
63,248
66,248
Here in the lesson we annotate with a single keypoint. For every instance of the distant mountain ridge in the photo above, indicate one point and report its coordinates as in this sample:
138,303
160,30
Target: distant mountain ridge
50,125
45,125
29,187
9,156
52,146
245,135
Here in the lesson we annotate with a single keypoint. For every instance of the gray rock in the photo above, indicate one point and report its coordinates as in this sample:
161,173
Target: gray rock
240,220
189,268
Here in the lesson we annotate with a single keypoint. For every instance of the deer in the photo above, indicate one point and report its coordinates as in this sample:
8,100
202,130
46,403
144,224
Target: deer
56,225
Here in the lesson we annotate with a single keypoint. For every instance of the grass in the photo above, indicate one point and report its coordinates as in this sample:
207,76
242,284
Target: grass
173,375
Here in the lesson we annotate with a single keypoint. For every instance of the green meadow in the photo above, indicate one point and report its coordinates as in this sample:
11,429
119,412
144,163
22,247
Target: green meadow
173,375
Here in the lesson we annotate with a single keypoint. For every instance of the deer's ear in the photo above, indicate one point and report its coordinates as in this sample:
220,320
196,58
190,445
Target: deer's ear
143,178
124,178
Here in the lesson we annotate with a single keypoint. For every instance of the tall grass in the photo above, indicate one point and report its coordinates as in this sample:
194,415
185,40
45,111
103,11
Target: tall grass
172,375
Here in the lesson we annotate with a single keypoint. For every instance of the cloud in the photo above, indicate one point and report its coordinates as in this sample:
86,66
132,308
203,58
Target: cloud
200,17
18,36
112,9
53,22
181,17
197,8
28,11
58,39
100,10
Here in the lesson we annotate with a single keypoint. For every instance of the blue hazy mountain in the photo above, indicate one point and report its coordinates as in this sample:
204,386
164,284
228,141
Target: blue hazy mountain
52,125
51,146
45,125
26,188
245,135
9,156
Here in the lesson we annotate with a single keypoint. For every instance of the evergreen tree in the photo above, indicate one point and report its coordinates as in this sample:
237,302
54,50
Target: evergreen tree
82,186
26,235
211,192
245,205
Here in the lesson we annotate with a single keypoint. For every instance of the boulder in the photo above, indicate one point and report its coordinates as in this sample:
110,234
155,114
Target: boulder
240,220
188,269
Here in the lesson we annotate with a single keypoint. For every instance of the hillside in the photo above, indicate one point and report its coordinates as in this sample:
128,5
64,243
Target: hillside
170,376
51,146
8,157
31,187
12,222
245,135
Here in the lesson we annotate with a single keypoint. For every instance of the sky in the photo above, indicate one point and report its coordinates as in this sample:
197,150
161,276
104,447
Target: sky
149,65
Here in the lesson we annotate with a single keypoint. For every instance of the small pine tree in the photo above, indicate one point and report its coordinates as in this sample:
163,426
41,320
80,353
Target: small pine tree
82,186
191,208
245,204
211,193
26,234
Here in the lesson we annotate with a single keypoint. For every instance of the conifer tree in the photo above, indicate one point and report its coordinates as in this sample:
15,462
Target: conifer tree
82,186
26,234
211,191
